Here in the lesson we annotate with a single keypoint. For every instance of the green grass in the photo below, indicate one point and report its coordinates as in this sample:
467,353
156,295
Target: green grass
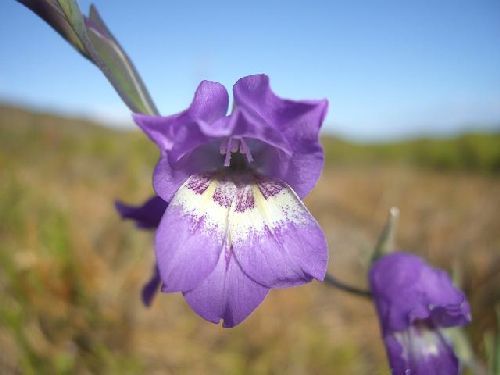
473,152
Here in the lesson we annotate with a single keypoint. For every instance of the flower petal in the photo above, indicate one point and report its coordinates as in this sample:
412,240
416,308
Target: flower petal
246,125
187,138
182,130
420,353
298,121
275,239
227,294
406,289
166,180
191,235
145,216
300,170
151,287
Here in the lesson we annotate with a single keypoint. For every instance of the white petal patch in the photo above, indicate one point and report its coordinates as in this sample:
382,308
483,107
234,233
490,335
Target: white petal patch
273,205
196,199
248,206
420,341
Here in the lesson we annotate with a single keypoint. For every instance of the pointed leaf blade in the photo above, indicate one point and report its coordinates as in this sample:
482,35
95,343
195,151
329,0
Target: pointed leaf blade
117,66
51,12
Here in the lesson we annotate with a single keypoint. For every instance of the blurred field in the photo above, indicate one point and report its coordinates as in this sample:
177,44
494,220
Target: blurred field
71,270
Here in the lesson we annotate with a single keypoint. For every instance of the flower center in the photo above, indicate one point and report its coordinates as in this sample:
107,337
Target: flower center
241,191
237,153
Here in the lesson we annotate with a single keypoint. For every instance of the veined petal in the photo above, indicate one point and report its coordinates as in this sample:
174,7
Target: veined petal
227,294
418,351
275,239
297,121
191,235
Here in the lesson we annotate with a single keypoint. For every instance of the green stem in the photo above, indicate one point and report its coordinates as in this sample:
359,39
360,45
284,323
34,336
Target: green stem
332,281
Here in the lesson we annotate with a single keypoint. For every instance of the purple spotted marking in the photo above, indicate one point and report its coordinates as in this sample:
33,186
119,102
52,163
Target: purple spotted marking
224,193
270,188
244,199
198,183
241,189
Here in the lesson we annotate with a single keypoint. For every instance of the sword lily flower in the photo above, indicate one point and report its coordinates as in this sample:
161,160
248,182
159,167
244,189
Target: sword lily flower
235,225
415,302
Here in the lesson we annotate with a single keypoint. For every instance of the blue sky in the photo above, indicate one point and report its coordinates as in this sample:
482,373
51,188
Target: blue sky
389,68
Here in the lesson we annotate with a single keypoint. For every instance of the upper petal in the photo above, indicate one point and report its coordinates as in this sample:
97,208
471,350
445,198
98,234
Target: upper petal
295,118
247,125
406,289
298,121
191,235
145,216
275,239
299,170
186,140
183,130
227,294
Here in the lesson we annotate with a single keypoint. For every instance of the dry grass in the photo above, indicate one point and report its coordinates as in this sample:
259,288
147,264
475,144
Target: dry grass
71,271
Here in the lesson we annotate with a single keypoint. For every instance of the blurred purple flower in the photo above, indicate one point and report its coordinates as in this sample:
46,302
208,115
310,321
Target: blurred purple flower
146,216
235,225
414,302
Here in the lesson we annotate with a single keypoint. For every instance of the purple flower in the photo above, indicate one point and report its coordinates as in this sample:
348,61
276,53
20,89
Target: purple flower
235,225
414,302
146,216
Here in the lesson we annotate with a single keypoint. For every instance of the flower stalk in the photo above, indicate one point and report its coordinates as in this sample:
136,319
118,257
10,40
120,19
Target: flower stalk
332,281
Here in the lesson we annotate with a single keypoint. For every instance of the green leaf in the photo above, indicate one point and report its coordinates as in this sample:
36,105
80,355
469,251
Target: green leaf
117,66
75,18
91,37
52,13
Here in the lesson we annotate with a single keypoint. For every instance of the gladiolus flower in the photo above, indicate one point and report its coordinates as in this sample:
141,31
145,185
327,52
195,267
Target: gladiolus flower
415,302
235,225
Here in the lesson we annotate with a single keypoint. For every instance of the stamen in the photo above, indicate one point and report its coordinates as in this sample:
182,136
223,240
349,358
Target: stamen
234,145
228,149
245,150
